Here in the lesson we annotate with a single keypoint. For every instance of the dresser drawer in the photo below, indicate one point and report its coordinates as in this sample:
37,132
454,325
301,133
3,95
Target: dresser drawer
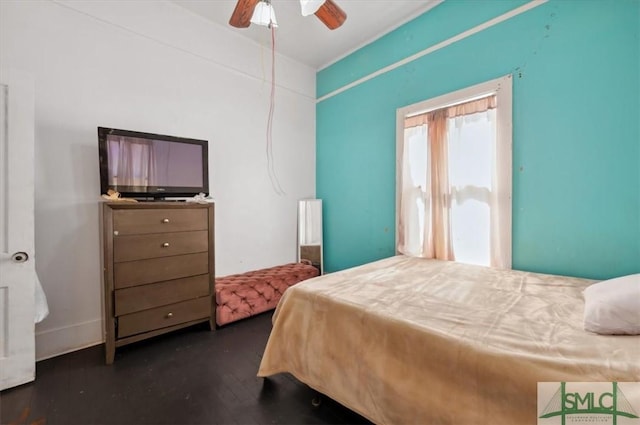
138,247
133,273
144,297
135,222
162,317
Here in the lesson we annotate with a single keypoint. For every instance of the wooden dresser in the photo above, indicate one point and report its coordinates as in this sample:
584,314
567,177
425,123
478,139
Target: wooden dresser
158,269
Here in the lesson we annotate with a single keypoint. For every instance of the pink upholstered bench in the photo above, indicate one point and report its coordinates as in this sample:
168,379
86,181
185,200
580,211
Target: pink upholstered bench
242,295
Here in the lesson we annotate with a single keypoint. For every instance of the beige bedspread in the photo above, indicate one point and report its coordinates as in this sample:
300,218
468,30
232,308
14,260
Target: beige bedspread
414,341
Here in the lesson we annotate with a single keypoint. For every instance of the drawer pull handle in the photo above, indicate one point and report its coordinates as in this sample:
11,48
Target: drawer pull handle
165,220
169,315
165,245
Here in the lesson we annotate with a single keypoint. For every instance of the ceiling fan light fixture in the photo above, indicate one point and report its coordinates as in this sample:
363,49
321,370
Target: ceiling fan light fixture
264,14
309,7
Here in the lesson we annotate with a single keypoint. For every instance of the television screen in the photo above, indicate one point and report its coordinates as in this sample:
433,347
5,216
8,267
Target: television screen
145,165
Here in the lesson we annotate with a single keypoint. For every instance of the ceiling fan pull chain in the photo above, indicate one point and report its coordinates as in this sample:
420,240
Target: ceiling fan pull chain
275,183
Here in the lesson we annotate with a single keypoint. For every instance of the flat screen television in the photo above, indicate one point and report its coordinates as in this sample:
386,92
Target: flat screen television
145,165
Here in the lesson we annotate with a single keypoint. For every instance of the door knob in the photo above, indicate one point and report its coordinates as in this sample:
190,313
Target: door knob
20,257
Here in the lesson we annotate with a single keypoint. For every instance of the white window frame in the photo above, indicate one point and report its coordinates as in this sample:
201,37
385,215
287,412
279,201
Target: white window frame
502,88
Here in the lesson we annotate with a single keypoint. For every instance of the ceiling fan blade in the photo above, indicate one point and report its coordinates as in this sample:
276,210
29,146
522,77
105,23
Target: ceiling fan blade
331,15
241,17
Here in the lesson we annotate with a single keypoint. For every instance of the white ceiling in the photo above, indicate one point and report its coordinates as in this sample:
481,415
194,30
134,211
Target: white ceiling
306,39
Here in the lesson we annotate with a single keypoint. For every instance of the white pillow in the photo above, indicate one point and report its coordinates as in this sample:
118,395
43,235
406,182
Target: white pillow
612,307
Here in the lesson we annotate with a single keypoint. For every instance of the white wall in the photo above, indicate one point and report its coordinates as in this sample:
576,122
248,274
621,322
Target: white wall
152,66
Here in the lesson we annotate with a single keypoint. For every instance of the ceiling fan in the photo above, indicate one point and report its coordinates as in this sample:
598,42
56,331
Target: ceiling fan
326,10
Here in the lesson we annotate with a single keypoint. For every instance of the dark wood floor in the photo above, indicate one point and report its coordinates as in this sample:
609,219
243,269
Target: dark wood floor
191,376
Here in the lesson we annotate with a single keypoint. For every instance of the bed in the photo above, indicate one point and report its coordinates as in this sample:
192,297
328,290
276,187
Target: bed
413,341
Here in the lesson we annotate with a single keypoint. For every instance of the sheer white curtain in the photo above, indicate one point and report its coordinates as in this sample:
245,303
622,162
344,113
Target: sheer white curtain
415,199
134,162
471,140
453,186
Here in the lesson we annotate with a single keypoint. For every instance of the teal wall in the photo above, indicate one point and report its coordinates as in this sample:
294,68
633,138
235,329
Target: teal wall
576,130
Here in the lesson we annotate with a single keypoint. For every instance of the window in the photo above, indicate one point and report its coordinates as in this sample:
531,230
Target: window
454,176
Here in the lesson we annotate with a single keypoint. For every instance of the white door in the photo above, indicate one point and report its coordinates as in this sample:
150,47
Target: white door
17,265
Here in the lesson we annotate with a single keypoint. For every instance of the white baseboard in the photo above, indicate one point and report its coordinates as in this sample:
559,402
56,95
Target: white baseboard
54,342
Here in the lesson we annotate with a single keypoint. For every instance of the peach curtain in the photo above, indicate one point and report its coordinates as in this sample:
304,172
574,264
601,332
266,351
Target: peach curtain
434,197
438,233
473,107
